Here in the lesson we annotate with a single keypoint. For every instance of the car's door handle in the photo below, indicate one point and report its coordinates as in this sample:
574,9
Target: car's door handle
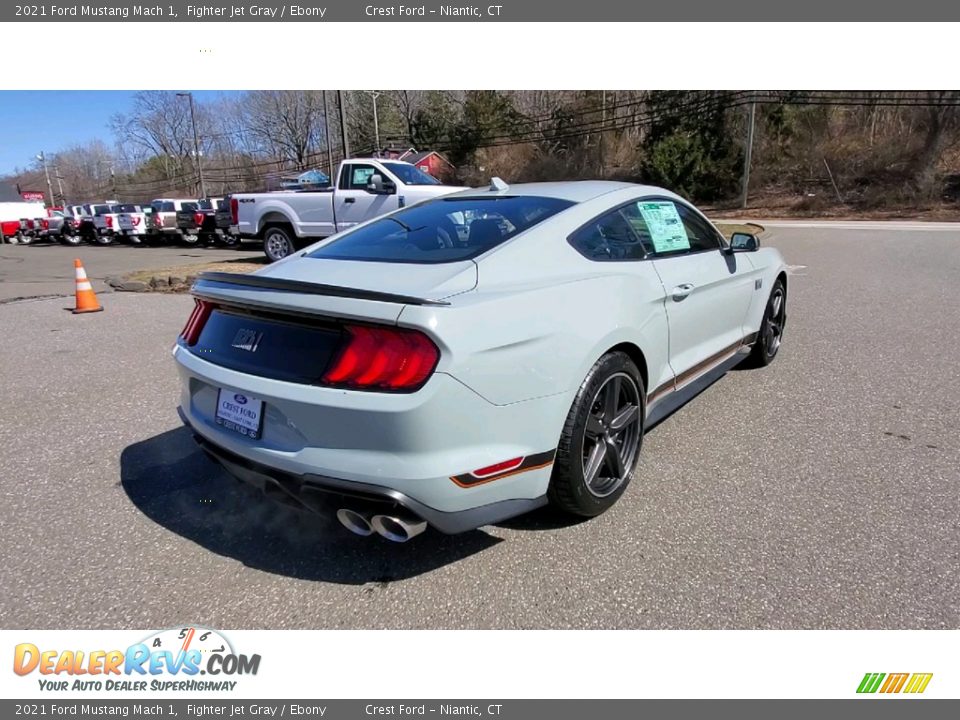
681,291
349,200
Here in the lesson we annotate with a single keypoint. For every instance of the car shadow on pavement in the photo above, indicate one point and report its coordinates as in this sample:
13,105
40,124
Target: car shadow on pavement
174,484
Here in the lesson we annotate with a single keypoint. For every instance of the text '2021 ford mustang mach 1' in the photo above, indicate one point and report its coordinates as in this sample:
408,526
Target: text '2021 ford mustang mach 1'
475,356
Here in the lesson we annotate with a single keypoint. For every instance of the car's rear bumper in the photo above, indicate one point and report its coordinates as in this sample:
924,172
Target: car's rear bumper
417,450
321,494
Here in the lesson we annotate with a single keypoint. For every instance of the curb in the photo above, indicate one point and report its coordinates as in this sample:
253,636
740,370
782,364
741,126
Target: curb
156,283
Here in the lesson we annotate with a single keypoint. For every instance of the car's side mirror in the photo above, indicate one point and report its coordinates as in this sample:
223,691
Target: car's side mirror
378,186
744,242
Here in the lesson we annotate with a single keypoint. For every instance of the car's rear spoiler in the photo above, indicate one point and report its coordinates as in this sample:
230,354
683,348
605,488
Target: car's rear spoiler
309,288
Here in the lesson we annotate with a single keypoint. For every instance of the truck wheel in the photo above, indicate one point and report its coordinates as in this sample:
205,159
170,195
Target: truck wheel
26,239
104,239
70,239
277,242
189,239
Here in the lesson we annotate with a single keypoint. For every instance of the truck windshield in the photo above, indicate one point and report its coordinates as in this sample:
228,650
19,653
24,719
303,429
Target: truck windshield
442,230
410,174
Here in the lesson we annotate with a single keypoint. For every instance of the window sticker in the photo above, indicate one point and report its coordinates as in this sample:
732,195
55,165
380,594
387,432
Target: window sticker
362,175
666,228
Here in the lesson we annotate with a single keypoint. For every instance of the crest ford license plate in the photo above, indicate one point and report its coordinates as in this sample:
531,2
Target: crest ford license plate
240,412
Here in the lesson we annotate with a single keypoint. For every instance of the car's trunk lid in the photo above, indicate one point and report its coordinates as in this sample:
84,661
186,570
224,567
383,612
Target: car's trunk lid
425,280
287,321
341,289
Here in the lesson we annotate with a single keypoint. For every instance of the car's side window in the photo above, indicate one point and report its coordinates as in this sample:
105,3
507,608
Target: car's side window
360,176
621,234
701,234
676,229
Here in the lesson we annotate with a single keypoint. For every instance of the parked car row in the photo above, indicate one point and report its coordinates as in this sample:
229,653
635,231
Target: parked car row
284,221
188,221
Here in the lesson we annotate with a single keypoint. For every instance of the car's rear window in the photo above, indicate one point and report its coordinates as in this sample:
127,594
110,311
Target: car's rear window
442,230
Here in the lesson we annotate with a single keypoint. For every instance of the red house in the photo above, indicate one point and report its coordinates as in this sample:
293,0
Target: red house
430,162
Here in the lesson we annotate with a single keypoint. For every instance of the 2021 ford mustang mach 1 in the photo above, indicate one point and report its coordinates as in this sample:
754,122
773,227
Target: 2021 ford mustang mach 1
472,357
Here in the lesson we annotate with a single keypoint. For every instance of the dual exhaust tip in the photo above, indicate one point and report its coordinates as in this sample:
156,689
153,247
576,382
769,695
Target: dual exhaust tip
396,528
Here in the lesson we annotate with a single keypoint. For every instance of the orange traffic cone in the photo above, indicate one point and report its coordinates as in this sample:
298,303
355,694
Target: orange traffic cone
86,297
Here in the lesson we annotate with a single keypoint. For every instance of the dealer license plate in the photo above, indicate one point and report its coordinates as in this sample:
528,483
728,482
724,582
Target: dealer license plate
240,412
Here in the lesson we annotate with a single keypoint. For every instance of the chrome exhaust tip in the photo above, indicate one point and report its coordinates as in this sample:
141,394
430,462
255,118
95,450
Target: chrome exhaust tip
356,522
397,529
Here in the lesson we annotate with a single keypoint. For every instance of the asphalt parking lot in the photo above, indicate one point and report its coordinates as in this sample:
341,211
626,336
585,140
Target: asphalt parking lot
821,492
46,269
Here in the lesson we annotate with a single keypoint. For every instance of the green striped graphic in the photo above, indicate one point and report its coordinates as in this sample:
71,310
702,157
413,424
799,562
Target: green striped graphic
871,682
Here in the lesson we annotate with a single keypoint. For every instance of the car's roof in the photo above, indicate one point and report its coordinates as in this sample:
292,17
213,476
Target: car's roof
575,191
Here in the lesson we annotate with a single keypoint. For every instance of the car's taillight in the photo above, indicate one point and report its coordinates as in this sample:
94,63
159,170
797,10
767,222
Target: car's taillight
198,318
198,218
157,221
45,224
109,220
135,220
234,211
376,358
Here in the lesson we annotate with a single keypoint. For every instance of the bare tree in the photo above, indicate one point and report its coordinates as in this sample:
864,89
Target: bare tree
285,124
159,124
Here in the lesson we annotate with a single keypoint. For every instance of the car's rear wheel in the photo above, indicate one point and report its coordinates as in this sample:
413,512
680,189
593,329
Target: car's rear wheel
770,337
68,238
104,239
277,242
601,438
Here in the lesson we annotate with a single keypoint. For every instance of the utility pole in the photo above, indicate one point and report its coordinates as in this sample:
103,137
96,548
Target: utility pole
196,143
748,155
326,134
603,123
113,178
56,173
343,126
43,161
374,94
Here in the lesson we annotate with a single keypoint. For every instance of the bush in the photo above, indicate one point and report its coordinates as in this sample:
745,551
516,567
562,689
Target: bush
685,162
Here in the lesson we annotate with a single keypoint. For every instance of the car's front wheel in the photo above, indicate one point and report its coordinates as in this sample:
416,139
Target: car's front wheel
770,337
601,438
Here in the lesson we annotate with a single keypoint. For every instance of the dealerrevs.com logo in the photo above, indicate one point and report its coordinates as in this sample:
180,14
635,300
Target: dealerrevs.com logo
169,660
909,683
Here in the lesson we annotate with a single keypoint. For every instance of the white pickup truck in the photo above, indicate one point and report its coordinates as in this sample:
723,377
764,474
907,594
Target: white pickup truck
365,188
132,222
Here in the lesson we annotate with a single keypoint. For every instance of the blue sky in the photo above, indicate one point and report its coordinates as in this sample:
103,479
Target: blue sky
35,120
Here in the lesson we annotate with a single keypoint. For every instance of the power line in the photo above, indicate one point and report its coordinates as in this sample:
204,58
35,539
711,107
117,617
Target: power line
567,124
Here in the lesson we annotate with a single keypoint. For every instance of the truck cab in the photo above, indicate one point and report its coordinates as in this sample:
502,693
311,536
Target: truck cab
365,188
